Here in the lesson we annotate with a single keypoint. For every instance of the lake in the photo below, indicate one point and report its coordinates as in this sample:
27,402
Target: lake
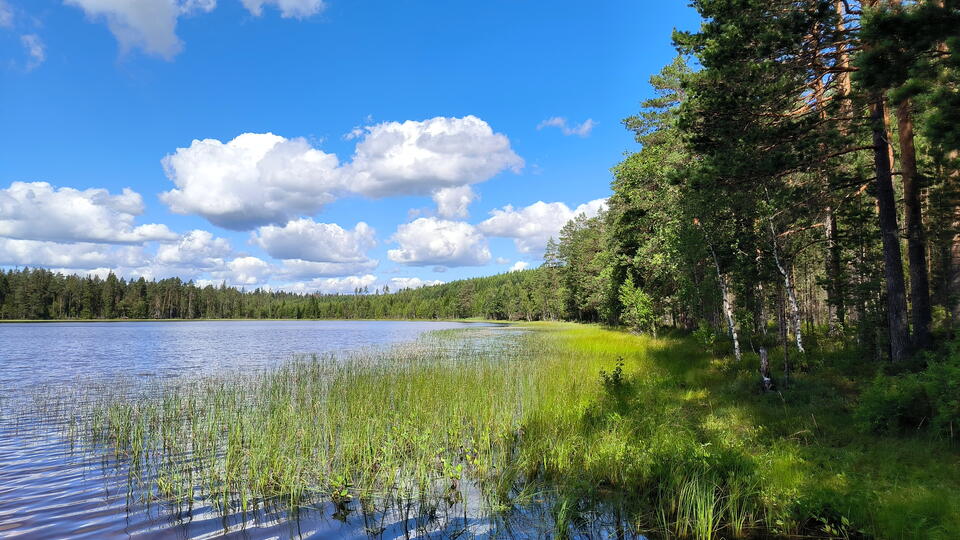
48,489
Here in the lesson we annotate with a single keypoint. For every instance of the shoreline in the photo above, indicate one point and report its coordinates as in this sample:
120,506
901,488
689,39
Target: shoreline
47,321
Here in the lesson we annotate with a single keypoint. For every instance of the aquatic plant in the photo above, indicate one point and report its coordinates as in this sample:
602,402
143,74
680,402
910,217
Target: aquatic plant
567,429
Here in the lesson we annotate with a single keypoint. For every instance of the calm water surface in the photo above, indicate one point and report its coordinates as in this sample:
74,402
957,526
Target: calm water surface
40,353
50,490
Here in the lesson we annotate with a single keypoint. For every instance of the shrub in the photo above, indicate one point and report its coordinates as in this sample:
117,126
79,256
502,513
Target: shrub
705,336
638,311
892,403
913,400
941,382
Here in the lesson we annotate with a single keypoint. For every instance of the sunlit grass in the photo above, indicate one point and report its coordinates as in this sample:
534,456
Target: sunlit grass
682,445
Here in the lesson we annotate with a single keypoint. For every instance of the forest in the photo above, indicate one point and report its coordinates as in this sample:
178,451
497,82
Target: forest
798,175
773,347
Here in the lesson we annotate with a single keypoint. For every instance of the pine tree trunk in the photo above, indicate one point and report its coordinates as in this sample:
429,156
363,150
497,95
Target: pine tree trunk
953,190
920,310
892,258
953,272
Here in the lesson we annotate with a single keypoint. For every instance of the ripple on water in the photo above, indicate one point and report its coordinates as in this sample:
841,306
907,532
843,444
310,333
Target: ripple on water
51,489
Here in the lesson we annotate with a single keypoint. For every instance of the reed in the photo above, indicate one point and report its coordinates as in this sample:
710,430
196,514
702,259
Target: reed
676,444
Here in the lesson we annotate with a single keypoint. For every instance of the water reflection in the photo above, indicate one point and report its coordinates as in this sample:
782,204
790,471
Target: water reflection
56,485
51,489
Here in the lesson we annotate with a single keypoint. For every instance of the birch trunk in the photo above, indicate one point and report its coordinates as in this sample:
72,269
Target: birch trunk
795,322
836,312
727,305
766,381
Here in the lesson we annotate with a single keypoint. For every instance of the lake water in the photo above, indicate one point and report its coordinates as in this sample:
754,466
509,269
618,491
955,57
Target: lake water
50,490
41,353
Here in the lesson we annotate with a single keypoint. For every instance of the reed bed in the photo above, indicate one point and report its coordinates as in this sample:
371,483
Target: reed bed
565,428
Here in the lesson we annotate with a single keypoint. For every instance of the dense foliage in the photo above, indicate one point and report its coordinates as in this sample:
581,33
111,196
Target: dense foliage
804,177
39,294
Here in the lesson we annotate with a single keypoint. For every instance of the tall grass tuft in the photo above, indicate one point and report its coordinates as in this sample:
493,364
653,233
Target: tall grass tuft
588,425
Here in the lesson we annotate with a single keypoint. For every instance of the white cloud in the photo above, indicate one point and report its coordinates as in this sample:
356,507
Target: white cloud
300,269
14,252
6,15
432,241
254,179
400,283
417,158
245,271
347,284
38,211
149,25
532,227
35,49
518,266
196,249
502,260
259,179
354,133
580,130
298,9
319,242
453,202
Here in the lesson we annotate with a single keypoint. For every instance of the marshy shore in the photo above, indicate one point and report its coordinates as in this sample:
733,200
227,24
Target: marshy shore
563,430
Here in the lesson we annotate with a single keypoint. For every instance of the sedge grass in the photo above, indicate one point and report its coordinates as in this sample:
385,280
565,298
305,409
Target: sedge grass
682,444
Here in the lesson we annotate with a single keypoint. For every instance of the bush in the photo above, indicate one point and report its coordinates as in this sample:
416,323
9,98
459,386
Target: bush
705,336
893,403
638,311
942,384
913,400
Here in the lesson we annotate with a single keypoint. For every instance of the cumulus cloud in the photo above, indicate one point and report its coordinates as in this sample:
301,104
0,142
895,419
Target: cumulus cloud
299,269
413,157
568,129
453,202
259,179
245,271
346,284
81,256
197,249
433,241
254,179
533,226
149,25
38,211
318,242
298,9
400,283
518,266
35,50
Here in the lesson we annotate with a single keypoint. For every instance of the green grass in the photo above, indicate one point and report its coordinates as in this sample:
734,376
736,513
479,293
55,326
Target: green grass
680,444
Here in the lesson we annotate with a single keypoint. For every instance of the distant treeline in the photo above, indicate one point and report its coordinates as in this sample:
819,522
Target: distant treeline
803,176
45,295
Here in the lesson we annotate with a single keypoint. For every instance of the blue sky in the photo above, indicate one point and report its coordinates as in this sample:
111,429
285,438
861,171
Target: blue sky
462,134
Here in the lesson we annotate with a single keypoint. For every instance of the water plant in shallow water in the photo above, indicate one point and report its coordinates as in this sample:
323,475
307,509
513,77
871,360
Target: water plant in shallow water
565,430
